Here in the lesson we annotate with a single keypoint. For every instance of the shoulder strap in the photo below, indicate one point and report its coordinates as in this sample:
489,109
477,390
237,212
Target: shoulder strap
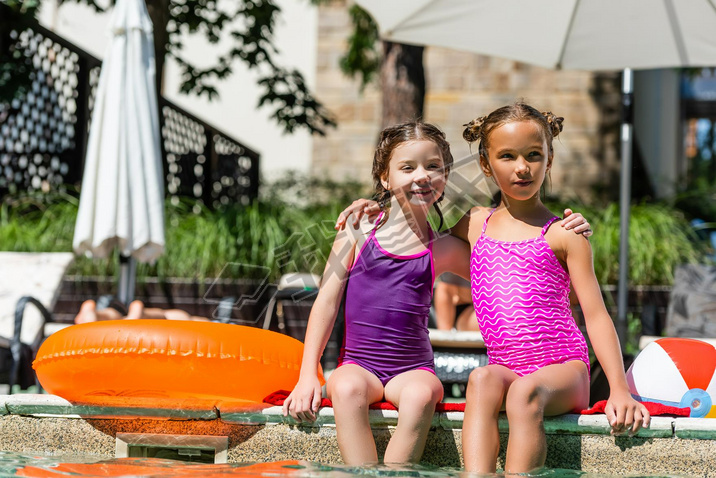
375,226
546,226
484,224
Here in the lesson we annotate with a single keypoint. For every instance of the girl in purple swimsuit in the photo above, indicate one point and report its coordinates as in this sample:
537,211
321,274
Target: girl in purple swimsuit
521,270
386,273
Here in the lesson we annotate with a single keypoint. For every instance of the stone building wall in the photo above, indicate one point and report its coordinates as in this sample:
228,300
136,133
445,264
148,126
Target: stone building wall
460,87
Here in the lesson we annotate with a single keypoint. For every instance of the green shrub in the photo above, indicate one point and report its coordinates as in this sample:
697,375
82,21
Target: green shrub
38,224
278,236
236,241
660,238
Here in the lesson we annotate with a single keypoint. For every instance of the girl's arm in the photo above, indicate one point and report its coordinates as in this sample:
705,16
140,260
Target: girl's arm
369,208
305,399
461,229
623,412
451,255
356,210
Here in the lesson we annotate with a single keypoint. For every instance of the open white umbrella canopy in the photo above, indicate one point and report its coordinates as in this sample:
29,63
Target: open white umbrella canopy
572,34
122,196
594,35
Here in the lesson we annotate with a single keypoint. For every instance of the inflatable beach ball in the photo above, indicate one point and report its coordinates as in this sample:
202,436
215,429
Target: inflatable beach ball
676,372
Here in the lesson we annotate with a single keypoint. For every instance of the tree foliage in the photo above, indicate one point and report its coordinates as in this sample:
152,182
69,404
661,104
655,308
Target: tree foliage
362,58
399,68
248,24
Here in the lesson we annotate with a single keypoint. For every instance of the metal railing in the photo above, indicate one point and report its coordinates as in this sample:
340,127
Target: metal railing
43,137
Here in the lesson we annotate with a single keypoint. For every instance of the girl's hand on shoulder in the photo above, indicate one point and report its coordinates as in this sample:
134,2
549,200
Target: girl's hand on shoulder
303,402
357,209
625,414
576,222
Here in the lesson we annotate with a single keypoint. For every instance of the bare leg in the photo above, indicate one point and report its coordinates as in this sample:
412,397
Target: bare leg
352,389
444,305
486,391
415,393
551,390
138,311
178,314
467,320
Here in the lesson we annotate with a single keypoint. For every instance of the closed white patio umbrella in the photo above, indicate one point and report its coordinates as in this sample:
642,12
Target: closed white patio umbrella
122,196
570,34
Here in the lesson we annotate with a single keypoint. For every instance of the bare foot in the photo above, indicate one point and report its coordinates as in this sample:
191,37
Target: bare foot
171,314
87,313
135,310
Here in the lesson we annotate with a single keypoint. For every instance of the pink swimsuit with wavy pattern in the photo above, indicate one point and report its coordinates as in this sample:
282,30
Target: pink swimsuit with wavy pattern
521,296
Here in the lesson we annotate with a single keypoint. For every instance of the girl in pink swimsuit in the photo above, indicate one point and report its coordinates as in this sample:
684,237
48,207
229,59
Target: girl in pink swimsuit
386,272
521,269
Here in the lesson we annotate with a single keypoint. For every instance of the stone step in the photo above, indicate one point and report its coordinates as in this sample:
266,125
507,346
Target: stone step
46,424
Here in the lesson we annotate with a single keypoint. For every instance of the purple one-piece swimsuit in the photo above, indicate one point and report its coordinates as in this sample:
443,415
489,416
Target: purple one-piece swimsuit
388,299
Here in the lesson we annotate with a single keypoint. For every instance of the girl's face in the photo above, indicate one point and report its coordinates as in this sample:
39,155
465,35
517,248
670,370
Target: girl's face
518,158
416,173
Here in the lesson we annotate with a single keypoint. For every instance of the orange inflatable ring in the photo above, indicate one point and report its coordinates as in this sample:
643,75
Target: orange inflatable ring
167,359
139,467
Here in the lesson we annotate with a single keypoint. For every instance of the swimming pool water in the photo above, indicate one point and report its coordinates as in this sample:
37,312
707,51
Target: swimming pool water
15,464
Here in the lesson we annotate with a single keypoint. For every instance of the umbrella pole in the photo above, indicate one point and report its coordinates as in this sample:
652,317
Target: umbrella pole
127,278
625,202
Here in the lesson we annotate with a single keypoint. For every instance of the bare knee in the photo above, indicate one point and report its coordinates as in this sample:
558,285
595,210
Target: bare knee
486,389
421,396
483,378
525,399
348,390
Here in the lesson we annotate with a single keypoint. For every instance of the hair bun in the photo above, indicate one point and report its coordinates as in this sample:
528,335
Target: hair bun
554,122
472,129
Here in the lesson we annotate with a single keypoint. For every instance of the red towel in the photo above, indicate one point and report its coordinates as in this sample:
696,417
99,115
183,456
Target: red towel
277,398
653,407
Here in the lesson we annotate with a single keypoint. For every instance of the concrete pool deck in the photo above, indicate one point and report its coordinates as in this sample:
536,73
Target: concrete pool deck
50,425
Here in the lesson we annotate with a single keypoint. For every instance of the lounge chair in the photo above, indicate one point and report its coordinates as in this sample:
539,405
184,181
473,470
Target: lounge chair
289,308
296,289
457,354
29,288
